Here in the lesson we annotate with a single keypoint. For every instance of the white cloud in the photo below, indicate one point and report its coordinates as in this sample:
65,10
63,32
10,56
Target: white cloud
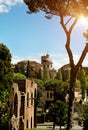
16,59
3,8
59,60
5,5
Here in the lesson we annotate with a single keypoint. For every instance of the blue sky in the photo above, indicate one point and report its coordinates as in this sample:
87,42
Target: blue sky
31,36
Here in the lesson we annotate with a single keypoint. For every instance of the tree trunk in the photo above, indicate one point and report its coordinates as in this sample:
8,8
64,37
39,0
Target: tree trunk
54,125
74,70
71,103
60,127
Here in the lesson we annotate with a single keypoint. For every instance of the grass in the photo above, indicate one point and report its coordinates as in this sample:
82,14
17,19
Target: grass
36,129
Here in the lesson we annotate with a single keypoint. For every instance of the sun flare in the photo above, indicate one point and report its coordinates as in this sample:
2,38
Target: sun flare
83,20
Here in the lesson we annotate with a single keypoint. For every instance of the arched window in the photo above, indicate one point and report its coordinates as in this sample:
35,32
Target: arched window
27,99
31,122
31,98
15,105
51,94
27,124
35,94
48,94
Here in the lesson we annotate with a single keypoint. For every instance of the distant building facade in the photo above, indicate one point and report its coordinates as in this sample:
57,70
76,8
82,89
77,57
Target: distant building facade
24,95
33,69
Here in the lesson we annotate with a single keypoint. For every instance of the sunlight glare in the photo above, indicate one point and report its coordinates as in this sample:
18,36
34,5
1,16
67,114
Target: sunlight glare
83,21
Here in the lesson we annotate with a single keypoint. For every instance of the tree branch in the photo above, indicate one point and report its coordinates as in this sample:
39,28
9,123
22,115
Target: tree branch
63,25
68,21
73,24
68,41
69,51
81,58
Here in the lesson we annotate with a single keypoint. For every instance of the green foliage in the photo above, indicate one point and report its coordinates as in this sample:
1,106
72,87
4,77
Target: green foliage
19,76
40,89
46,75
59,75
6,74
68,75
3,106
82,78
52,84
59,88
58,112
6,80
83,81
87,82
78,108
77,83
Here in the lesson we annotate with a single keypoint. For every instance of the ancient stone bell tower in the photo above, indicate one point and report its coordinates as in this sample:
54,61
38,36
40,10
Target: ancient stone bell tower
46,61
